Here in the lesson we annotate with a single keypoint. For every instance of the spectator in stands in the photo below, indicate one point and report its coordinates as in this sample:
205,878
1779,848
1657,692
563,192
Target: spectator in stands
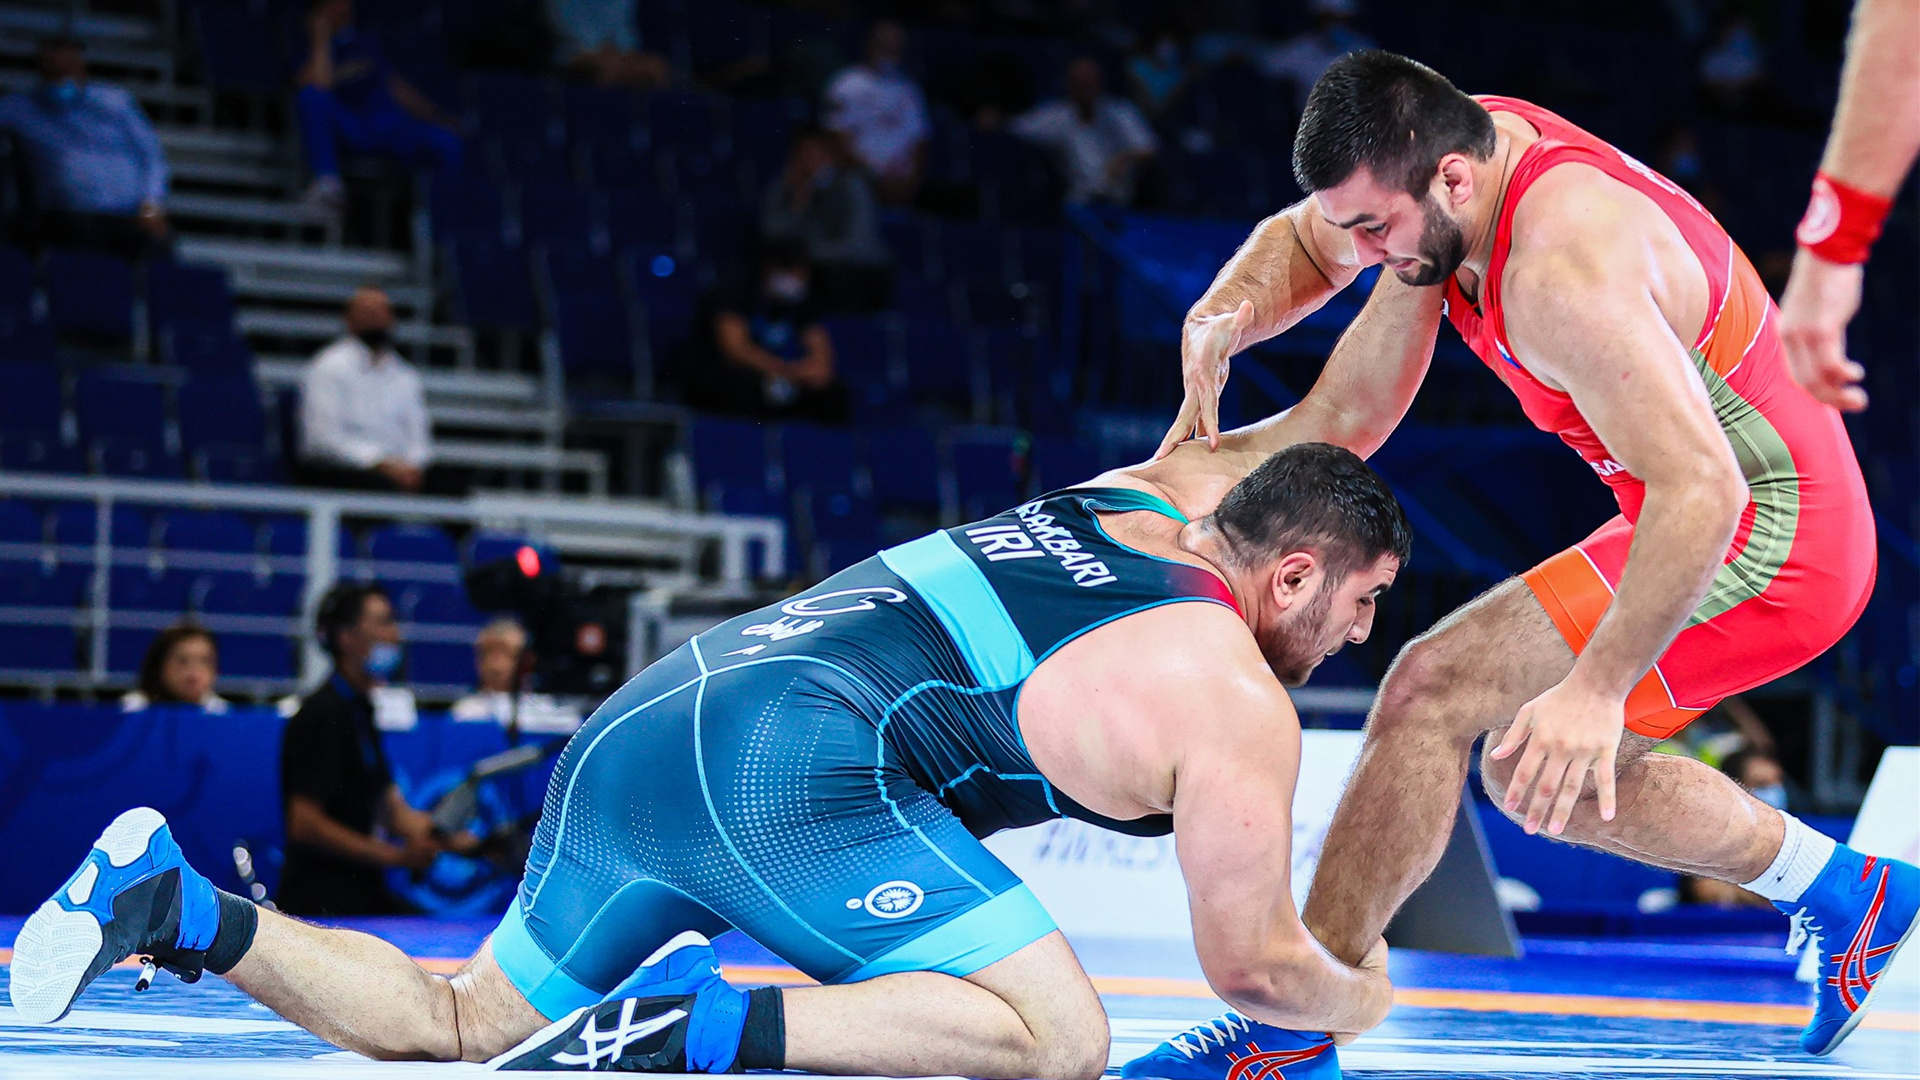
1100,140
351,96
501,662
1157,75
1302,59
179,669
882,114
1733,70
99,177
828,208
346,820
363,410
771,356
599,41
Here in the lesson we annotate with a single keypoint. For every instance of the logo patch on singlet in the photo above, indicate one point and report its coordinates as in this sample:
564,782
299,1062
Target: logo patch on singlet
892,900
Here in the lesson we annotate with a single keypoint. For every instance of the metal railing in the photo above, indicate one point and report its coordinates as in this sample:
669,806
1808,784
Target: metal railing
742,547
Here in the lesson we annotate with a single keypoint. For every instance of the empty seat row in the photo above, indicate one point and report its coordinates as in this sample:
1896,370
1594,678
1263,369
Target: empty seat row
127,422
91,299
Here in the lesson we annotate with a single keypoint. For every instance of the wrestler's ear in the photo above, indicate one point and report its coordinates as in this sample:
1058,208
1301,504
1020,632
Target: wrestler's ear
1455,176
1294,577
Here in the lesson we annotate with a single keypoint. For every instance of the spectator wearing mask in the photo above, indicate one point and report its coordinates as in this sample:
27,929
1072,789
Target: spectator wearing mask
351,96
1302,59
363,410
180,668
1100,141
346,821
772,358
830,211
99,175
881,114
501,663
599,41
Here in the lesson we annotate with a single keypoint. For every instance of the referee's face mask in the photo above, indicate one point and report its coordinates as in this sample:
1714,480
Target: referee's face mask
373,642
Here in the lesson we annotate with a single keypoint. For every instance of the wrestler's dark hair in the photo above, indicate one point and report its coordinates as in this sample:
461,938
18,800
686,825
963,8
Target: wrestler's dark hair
1313,497
1394,117
341,608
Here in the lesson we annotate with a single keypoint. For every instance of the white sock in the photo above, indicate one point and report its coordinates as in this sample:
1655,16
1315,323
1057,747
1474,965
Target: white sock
1803,854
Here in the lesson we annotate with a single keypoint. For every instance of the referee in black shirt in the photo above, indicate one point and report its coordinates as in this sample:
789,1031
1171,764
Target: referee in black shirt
335,783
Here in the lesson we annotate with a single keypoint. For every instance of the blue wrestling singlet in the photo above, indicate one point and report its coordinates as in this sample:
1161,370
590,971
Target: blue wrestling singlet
815,773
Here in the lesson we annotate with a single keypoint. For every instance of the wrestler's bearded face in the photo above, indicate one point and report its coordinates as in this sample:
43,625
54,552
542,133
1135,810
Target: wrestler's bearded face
1296,642
1443,247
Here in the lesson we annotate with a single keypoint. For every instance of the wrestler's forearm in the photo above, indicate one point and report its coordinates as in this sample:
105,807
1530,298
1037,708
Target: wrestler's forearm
1368,382
1679,543
1282,269
1876,128
1313,991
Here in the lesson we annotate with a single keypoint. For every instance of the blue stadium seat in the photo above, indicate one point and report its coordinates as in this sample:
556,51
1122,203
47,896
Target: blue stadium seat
136,588
411,543
442,604
239,50
670,304
437,663
905,466
245,594
220,463
21,523
682,118
974,250
817,459
38,648
178,292
987,476
220,410
17,287
623,160
491,287
286,535
512,105
908,238
728,456
39,453
594,114
1059,463
32,399
191,530
572,270
90,297
844,529
595,335
33,585
467,206
640,218
863,347
940,365
73,523
256,656
208,347
123,425
24,336
559,213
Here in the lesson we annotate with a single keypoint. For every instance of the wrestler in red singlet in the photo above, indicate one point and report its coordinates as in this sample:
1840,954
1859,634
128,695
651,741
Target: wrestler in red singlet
1801,565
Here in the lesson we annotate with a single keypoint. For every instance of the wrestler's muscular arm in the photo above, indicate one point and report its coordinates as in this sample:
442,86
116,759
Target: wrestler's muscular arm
1232,824
1581,312
1876,133
1290,264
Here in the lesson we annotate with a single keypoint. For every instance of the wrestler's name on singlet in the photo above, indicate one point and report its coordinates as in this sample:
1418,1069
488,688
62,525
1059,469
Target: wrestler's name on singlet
1035,536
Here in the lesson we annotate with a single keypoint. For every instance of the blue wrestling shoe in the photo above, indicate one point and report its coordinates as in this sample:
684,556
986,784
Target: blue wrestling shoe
133,894
1857,913
1232,1047
676,1014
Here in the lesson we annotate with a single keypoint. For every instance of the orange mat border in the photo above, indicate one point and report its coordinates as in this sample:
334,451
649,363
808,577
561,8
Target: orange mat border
1725,1012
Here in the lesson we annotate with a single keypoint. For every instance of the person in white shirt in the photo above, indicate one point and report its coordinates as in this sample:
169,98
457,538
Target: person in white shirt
881,114
363,410
1099,140
500,661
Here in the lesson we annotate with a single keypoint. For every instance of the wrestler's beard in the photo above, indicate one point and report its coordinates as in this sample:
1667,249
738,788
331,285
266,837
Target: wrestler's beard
1443,247
1296,643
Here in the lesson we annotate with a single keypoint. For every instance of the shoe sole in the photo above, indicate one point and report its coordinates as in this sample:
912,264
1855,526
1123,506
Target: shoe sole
563,1029
58,945
1860,1013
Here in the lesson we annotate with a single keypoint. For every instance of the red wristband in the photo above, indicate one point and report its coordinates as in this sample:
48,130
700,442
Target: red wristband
1842,221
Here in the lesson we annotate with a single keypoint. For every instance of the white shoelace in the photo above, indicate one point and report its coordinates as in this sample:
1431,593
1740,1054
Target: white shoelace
1219,1031
1803,931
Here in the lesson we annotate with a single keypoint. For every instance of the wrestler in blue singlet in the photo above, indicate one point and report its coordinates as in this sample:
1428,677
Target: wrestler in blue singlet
816,773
